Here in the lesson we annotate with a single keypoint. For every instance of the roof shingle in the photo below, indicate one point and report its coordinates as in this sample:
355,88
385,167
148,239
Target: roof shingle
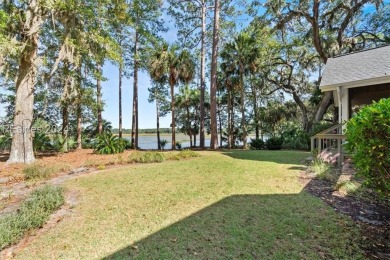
364,65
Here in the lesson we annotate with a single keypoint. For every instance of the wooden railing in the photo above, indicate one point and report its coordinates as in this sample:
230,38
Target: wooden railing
331,139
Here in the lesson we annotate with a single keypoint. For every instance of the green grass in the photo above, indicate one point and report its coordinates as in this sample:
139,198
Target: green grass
234,205
32,214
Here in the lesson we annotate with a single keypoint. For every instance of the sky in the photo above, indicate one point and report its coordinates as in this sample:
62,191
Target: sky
146,110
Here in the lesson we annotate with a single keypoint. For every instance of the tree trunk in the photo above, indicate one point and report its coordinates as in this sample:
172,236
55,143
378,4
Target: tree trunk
120,99
64,129
158,125
173,116
202,77
189,124
99,100
220,127
22,150
134,125
229,119
323,106
79,126
256,112
213,87
243,123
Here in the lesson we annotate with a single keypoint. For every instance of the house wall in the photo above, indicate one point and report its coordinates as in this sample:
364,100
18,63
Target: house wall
365,95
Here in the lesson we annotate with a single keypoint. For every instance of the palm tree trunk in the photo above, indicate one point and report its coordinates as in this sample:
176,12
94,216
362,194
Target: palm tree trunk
189,124
158,124
256,112
202,76
213,87
243,124
173,116
120,100
99,100
134,125
229,119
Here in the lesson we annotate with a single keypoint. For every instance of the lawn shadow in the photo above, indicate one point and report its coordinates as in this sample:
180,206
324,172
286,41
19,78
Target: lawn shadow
281,157
247,227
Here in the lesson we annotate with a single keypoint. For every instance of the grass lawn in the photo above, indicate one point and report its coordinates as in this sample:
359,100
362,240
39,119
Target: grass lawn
241,204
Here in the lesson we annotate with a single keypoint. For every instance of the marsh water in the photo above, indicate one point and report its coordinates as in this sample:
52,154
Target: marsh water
150,141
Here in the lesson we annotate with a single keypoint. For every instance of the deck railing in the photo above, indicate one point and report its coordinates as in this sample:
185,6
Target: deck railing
329,140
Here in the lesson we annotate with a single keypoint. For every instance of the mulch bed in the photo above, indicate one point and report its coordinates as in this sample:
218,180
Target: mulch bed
371,214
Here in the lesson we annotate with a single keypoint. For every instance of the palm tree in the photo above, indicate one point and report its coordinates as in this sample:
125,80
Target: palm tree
239,57
181,69
186,99
158,67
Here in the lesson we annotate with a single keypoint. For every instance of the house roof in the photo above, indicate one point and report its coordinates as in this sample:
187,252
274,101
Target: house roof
362,68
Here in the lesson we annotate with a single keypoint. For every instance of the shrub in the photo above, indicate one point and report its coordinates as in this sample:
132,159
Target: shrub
59,141
295,138
368,135
5,142
274,143
108,143
146,157
163,143
42,143
33,213
178,145
257,144
187,154
36,171
127,143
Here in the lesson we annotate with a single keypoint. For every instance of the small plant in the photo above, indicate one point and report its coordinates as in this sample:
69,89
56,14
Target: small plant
274,143
178,145
101,167
36,171
347,187
146,157
33,213
368,142
163,143
107,143
257,144
187,154
322,170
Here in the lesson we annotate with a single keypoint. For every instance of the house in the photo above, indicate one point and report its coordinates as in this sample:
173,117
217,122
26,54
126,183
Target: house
355,79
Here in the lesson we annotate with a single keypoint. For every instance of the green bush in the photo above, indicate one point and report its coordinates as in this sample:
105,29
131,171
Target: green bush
257,144
42,143
368,135
163,143
295,138
33,213
178,146
5,142
59,141
146,157
274,143
107,143
36,171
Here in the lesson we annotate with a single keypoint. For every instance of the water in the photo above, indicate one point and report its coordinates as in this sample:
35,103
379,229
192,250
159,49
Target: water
149,142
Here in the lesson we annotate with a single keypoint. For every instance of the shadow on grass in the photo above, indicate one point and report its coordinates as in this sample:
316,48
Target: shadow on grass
282,157
249,227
